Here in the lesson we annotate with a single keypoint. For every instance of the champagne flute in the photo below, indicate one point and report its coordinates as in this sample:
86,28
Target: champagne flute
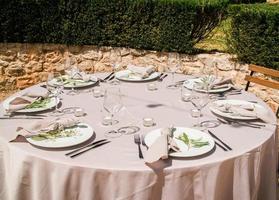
174,63
55,86
199,101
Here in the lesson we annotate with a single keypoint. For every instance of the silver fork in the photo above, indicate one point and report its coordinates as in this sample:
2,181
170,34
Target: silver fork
137,141
143,142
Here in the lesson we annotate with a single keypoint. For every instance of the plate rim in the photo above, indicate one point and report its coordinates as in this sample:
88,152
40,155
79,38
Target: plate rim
175,154
71,145
131,80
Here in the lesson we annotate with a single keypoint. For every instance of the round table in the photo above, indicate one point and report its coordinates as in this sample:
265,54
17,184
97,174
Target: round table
114,171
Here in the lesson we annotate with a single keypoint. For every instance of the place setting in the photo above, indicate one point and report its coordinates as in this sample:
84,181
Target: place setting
138,74
241,113
30,104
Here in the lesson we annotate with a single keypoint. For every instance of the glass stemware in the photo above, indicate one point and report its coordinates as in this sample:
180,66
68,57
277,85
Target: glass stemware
199,101
116,60
55,86
112,104
71,71
174,63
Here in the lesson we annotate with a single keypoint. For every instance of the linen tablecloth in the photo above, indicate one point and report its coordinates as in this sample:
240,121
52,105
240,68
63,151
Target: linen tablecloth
114,171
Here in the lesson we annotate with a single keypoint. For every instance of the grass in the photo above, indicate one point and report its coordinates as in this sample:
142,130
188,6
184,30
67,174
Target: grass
216,40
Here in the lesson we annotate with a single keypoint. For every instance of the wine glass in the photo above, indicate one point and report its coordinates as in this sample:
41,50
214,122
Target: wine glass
71,71
112,104
116,60
199,101
174,63
55,86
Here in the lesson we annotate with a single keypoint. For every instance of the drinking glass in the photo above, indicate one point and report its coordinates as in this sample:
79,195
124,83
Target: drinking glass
116,60
112,104
71,71
174,63
199,101
55,86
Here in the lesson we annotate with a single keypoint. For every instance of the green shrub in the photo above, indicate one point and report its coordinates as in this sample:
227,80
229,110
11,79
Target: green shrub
246,1
171,25
254,34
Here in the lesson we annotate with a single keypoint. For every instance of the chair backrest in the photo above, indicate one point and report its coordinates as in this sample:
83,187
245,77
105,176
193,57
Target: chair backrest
263,70
268,83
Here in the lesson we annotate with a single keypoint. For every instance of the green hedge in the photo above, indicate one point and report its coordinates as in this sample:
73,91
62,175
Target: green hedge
170,25
246,1
254,34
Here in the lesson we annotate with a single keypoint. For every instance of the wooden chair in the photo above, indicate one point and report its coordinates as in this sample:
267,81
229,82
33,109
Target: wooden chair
268,83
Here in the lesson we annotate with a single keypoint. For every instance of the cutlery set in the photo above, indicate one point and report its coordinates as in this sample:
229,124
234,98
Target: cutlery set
87,148
220,143
240,123
138,142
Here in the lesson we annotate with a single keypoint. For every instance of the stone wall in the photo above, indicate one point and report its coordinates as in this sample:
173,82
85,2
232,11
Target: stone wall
22,65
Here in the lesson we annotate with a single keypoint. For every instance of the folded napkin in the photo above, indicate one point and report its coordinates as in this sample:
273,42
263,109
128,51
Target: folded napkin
246,110
143,72
76,74
160,148
27,98
221,83
45,126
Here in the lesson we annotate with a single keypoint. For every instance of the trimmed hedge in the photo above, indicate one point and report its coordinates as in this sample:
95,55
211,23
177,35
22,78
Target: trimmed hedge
170,25
246,1
254,34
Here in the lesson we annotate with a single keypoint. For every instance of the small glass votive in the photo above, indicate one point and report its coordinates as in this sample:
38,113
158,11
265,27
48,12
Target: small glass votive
195,113
148,121
97,92
79,112
152,86
107,120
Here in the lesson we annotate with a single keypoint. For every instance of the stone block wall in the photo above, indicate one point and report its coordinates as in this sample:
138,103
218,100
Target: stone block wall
23,65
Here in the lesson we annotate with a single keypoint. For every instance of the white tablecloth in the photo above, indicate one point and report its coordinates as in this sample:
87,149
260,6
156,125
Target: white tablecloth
114,171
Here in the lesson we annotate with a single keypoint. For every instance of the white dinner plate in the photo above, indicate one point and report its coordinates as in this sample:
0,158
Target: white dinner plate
125,75
234,102
49,105
190,83
75,84
151,137
83,133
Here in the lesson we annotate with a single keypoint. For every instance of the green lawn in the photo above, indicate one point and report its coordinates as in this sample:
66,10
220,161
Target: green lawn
216,40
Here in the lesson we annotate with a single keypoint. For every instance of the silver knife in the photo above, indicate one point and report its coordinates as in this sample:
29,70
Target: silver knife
22,117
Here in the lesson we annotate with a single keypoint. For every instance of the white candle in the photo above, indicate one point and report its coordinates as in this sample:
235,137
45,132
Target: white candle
148,121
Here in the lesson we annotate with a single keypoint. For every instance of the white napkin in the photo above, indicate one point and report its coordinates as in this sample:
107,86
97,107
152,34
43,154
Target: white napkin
143,72
83,76
46,126
221,83
160,148
27,98
246,110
